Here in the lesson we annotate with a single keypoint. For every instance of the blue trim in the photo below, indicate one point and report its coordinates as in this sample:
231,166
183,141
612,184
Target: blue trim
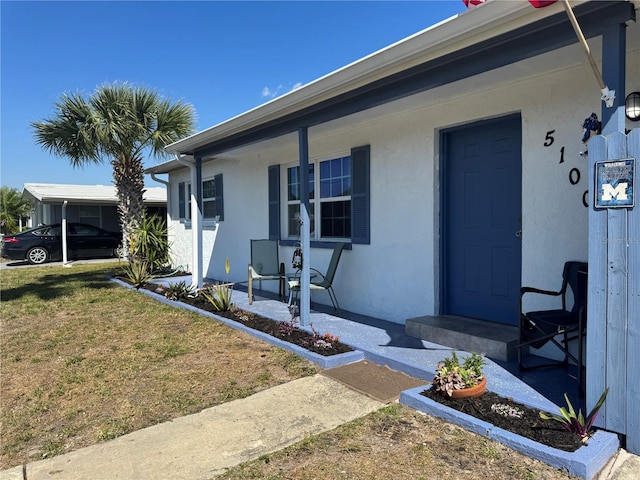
198,185
274,202
534,39
314,244
361,195
614,59
219,197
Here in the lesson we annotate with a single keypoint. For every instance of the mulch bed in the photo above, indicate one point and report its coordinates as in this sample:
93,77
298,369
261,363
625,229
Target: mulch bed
285,331
530,425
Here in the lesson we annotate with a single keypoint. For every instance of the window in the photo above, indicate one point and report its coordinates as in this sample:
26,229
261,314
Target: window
339,208
209,198
334,203
212,199
293,200
184,201
85,230
89,214
335,198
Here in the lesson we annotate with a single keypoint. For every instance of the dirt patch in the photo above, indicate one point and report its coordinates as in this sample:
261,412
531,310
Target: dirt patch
396,442
516,418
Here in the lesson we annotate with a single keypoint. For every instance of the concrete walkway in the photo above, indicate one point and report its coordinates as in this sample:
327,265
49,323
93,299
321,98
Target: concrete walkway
199,446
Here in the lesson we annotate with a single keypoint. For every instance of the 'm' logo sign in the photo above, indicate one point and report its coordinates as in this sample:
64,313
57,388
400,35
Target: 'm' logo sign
610,192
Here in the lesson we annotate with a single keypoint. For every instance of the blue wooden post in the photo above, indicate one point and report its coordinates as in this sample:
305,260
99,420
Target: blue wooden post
613,326
633,331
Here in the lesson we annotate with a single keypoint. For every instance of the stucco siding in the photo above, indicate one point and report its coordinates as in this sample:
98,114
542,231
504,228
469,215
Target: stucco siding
397,276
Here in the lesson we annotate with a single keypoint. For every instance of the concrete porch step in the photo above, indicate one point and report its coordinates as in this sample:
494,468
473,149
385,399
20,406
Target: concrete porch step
494,340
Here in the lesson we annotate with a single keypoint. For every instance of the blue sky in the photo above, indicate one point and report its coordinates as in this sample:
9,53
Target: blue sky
224,58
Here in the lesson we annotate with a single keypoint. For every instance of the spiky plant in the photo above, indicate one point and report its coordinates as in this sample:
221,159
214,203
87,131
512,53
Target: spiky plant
576,422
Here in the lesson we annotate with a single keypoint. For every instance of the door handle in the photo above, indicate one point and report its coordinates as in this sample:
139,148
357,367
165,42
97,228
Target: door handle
519,233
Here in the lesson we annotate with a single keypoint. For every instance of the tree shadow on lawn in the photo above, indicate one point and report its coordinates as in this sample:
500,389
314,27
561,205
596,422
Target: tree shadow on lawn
60,284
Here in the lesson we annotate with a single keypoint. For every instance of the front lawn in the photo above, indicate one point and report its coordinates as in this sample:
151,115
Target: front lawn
85,360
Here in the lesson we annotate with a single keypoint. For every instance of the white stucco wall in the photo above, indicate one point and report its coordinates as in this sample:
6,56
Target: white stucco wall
397,276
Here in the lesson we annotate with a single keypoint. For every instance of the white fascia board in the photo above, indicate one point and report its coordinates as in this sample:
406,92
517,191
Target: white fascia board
461,31
172,165
85,194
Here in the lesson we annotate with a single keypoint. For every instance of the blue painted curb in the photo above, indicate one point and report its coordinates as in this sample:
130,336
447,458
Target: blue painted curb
585,462
321,360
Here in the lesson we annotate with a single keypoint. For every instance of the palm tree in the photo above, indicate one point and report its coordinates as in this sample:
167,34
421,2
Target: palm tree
118,123
13,206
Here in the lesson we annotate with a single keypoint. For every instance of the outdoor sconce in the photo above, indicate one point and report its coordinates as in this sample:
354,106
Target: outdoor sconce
632,106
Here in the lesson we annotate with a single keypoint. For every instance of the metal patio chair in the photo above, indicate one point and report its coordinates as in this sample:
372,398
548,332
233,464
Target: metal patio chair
325,282
265,265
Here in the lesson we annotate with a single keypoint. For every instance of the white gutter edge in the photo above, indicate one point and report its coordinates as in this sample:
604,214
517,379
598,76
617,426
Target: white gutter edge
458,32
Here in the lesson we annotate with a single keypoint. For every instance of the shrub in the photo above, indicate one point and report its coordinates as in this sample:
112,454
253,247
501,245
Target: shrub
149,242
137,272
219,295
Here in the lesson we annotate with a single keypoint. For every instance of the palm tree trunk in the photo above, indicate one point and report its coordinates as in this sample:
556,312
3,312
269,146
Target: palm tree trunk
128,176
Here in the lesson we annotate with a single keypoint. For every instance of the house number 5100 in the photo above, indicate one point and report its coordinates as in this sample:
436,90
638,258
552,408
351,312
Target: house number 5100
574,173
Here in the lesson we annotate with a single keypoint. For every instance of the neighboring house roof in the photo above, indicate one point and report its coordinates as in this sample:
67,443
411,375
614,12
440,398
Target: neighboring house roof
479,40
87,194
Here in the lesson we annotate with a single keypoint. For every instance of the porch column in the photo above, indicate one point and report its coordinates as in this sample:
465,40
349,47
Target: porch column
64,231
305,228
196,222
614,49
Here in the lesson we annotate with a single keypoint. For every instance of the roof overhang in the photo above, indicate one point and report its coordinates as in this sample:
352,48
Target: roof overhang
478,40
86,194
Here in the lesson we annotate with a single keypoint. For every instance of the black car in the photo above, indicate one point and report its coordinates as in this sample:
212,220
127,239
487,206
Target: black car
44,243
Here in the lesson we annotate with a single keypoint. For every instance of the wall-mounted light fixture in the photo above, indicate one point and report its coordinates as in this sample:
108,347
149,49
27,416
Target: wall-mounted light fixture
632,106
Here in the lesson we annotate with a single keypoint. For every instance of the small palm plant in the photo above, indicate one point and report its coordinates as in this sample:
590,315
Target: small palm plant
577,424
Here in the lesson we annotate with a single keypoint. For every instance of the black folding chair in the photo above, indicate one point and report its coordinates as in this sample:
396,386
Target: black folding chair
540,327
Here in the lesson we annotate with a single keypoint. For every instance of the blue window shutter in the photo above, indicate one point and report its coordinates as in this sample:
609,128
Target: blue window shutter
182,214
274,202
360,195
219,197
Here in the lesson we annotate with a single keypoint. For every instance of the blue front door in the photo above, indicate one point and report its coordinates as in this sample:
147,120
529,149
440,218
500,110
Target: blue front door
482,182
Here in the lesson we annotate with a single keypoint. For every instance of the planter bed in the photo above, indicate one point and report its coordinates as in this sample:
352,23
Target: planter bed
323,361
585,462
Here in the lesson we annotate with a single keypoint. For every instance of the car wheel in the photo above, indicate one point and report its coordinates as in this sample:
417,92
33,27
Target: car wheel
37,255
118,252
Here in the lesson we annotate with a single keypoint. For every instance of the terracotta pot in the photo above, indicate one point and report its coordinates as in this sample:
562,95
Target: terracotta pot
471,392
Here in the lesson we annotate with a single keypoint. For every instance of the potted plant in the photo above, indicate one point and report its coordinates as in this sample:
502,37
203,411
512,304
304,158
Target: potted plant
460,380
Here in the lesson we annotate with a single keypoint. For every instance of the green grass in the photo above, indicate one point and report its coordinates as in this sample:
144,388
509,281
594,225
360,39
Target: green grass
85,360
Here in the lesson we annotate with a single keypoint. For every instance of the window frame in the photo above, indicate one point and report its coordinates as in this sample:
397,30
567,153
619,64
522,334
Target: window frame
184,201
316,198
